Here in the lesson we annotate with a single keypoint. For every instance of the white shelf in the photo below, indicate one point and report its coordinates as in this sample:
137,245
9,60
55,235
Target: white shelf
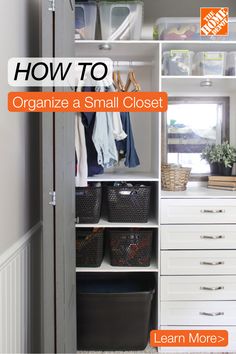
152,41
104,223
194,192
185,77
129,177
177,84
198,46
103,41
137,50
106,267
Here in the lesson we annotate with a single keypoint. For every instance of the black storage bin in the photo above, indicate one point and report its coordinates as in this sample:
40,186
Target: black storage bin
88,204
128,204
89,247
130,247
114,311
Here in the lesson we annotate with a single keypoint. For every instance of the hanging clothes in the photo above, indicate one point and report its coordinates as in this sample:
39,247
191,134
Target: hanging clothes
88,120
94,168
118,131
126,147
103,137
81,153
108,135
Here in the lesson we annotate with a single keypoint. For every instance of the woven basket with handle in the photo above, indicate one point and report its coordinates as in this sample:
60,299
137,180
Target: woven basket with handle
174,177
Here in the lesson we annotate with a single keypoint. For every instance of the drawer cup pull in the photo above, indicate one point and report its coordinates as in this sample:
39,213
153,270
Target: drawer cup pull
212,211
213,288
212,263
211,313
217,237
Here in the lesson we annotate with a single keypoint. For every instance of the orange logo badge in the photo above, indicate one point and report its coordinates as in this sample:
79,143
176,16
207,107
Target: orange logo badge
214,21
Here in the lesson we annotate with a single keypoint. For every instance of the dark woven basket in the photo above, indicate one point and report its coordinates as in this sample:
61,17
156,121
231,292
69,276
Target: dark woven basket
89,247
130,247
128,204
88,204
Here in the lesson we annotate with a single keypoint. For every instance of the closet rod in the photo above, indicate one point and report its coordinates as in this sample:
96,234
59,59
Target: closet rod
130,64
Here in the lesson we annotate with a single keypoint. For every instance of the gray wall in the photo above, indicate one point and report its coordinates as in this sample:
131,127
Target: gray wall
20,151
19,132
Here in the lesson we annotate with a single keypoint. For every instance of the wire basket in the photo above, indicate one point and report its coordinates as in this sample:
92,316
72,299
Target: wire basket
88,204
89,247
130,247
174,177
128,204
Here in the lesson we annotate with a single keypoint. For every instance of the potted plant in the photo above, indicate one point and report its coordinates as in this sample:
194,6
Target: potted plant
220,157
228,157
213,155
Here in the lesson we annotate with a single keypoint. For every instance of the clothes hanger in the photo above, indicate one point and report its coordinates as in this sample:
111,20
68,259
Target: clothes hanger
137,85
115,78
131,80
119,80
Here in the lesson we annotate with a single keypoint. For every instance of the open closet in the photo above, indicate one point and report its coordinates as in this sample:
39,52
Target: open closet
144,57
143,61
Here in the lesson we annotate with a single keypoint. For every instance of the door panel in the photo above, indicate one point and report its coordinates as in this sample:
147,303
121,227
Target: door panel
47,185
65,191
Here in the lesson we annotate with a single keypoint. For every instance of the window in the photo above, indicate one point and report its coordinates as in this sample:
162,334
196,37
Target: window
189,125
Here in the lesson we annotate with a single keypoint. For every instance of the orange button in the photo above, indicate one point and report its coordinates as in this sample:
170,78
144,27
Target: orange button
189,338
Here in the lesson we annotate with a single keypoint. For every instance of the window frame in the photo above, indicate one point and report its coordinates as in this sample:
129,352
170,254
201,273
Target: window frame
225,129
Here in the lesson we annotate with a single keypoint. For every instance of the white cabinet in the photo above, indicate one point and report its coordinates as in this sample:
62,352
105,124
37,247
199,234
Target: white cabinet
198,313
199,211
198,265
198,288
177,237
198,262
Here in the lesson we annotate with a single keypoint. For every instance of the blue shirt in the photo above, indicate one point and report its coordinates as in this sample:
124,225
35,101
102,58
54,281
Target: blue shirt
127,145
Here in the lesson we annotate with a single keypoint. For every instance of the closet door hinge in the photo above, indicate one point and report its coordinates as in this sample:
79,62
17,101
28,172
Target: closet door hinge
51,6
53,198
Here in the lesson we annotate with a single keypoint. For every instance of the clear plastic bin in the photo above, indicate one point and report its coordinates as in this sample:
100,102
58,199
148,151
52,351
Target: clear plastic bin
187,28
231,64
121,20
178,62
210,63
85,19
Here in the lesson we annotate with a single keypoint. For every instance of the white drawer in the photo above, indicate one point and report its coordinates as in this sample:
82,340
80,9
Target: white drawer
202,211
187,288
198,313
198,237
230,348
198,262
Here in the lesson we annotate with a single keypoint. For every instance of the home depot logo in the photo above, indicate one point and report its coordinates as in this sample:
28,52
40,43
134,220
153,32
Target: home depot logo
214,21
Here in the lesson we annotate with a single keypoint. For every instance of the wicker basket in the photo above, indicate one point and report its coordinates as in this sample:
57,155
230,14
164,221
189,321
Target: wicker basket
130,247
128,204
88,204
89,247
174,177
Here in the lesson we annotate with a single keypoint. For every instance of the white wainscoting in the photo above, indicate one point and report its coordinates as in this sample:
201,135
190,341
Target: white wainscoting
17,272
